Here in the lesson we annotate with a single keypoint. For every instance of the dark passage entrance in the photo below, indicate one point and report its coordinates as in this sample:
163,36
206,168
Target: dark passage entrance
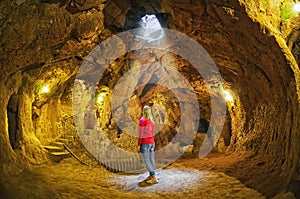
12,115
226,132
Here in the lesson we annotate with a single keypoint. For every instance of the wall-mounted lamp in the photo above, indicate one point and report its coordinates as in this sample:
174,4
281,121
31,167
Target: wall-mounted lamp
289,9
100,99
45,89
41,93
297,7
227,96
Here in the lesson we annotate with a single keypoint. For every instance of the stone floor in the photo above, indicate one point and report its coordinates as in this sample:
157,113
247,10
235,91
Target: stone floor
188,183
70,179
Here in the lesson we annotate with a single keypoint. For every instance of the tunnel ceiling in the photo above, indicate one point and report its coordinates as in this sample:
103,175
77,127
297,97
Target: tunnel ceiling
45,42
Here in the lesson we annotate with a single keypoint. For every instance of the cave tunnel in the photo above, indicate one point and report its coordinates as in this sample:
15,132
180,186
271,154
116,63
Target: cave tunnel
221,77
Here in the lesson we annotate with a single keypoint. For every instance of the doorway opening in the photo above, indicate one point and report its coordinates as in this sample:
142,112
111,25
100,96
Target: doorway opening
12,116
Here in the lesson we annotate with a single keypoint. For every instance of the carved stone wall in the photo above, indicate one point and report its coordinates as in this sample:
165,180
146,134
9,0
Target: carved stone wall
45,42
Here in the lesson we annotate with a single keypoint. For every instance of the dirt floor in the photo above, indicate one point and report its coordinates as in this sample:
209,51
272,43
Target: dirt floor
188,177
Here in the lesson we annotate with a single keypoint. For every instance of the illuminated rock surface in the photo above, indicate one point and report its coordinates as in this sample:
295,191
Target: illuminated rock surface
256,49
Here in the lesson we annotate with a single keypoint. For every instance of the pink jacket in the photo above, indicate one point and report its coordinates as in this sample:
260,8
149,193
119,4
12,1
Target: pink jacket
146,132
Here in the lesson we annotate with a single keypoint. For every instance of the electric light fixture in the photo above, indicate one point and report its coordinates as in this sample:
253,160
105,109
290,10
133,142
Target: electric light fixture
227,96
297,7
100,99
45,89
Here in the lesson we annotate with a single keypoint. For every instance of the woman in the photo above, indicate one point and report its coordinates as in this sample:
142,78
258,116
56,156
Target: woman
146,142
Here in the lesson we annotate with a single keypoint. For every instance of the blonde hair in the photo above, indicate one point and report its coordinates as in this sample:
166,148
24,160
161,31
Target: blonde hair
147,113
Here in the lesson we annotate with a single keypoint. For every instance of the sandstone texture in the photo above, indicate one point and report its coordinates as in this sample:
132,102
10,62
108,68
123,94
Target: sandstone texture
254,46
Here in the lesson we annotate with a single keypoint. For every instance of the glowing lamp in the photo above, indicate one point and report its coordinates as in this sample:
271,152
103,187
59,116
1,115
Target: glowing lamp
297,7
227,96
100,99
45,89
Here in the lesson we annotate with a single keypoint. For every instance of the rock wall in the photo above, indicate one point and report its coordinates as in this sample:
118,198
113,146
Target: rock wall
46,42
261,81
41,44
281,21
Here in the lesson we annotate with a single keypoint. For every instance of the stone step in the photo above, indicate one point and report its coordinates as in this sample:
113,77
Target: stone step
58,156
52,148
62,153
63,140
60,144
